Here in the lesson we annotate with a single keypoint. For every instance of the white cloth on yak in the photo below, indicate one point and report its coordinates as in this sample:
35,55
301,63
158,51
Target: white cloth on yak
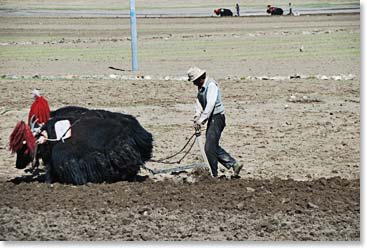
63,127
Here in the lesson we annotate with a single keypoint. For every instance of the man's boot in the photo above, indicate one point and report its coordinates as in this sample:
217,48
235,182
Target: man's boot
236,169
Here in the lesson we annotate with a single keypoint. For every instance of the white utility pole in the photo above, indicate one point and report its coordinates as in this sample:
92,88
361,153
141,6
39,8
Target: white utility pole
134,39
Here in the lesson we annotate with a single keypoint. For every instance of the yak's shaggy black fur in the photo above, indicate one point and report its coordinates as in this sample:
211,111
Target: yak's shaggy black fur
68,111
104,147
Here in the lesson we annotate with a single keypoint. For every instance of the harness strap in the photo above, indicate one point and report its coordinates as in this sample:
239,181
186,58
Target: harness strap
62,137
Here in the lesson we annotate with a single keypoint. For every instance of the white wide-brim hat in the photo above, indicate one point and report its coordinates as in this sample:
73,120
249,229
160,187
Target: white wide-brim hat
194,73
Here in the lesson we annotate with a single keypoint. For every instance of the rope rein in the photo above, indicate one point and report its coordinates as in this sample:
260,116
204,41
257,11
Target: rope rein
163,160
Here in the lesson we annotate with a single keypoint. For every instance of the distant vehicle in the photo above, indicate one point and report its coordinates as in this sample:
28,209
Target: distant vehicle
274,10
223,12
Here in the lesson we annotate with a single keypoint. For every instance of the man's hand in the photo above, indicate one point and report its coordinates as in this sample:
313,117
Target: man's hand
199,121
197,127
202,120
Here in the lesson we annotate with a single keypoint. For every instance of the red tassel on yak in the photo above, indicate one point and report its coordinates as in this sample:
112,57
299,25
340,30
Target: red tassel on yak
40,109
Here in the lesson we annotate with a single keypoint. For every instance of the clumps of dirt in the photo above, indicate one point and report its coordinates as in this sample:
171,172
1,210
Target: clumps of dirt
243,209
201,174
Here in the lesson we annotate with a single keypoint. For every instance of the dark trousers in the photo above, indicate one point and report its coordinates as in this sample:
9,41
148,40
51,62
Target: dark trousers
214,152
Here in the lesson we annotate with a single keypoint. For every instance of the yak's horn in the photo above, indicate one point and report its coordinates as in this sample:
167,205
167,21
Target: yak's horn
32,123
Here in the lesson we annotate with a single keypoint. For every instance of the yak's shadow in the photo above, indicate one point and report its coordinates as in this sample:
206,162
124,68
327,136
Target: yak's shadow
39,175
139,179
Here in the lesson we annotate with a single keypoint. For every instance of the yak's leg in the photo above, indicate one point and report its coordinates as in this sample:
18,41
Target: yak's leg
69,169
50,176
35,170
91,167
66,167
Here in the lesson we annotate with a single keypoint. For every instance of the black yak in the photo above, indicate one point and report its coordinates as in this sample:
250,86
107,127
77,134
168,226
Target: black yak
104,146
223,12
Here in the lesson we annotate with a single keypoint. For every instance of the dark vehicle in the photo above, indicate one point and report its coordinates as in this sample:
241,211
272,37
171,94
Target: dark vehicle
223,12
274,10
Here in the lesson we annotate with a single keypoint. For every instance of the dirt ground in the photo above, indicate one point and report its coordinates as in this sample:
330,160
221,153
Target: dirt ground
298,138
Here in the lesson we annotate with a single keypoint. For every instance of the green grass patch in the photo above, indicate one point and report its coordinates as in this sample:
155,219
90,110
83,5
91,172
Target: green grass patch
37,52
335,44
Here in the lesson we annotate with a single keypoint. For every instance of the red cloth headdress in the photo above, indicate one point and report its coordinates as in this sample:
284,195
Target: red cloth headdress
22,133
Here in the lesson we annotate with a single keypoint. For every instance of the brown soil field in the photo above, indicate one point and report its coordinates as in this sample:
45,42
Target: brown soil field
298,138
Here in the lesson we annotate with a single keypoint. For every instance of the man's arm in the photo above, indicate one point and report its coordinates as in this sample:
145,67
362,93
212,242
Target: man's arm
198,110
211,98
